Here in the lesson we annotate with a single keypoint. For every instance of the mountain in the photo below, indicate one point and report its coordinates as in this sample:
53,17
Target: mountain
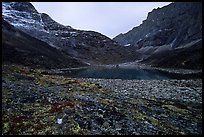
88,46
20,48
165,31
187,58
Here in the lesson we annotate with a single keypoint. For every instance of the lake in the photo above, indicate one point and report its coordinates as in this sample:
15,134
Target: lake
117,73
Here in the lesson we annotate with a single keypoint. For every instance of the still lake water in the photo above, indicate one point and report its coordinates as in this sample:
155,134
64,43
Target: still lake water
118,73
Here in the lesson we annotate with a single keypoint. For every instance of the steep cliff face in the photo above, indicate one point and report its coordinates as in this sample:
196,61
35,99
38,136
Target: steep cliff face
177,25
89,46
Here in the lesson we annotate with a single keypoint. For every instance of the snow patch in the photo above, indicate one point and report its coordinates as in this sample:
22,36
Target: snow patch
42,23
73,33
172,44
20,18
139,40
167,29
59,121
126,45
53,46
147,35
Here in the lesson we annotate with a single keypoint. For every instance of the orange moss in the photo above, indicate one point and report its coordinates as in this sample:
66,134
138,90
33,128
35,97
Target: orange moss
59,106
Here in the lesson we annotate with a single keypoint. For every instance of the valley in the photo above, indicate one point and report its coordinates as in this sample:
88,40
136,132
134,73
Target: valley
57,80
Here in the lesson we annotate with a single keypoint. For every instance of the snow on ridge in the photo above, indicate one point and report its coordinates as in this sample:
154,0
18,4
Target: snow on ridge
18,18
147,35
173,42
6,5
139,39
23,19
54,46
126,45
73,33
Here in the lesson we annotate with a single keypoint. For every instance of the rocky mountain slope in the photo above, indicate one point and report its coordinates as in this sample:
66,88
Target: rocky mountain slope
186,58
89,46
19,47
176,25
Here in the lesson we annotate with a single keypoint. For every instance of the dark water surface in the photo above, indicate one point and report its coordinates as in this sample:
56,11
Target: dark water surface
117,73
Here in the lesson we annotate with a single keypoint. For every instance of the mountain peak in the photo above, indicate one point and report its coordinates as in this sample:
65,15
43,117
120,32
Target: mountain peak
89,46
19,6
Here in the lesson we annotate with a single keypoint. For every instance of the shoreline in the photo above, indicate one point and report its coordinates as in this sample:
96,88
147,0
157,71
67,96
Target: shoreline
185,90
172,73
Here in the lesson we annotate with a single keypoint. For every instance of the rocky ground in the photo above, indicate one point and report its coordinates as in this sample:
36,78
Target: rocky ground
36,102
183,90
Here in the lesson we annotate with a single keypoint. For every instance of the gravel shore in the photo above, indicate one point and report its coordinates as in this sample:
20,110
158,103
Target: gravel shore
186,90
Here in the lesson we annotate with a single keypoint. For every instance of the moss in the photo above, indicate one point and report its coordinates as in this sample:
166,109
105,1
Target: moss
183,133
71,128
26,123
6,96
153,98
133,102
175,109
106,101
64,93
47,130
173,129
137,115
83,84
153,120
6,128
6,92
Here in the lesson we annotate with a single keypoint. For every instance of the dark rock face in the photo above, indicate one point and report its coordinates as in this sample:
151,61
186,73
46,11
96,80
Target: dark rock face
20,48
50,24
174,26
90,46
187,58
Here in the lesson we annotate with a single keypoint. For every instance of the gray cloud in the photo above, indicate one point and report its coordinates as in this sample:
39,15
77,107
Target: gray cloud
108,18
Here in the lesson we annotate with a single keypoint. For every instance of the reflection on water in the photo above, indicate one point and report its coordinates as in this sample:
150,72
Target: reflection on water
117,73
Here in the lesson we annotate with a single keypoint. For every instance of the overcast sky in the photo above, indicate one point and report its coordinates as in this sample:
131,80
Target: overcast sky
108,18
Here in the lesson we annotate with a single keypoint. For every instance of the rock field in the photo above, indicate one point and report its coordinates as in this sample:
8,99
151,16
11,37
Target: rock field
35,102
